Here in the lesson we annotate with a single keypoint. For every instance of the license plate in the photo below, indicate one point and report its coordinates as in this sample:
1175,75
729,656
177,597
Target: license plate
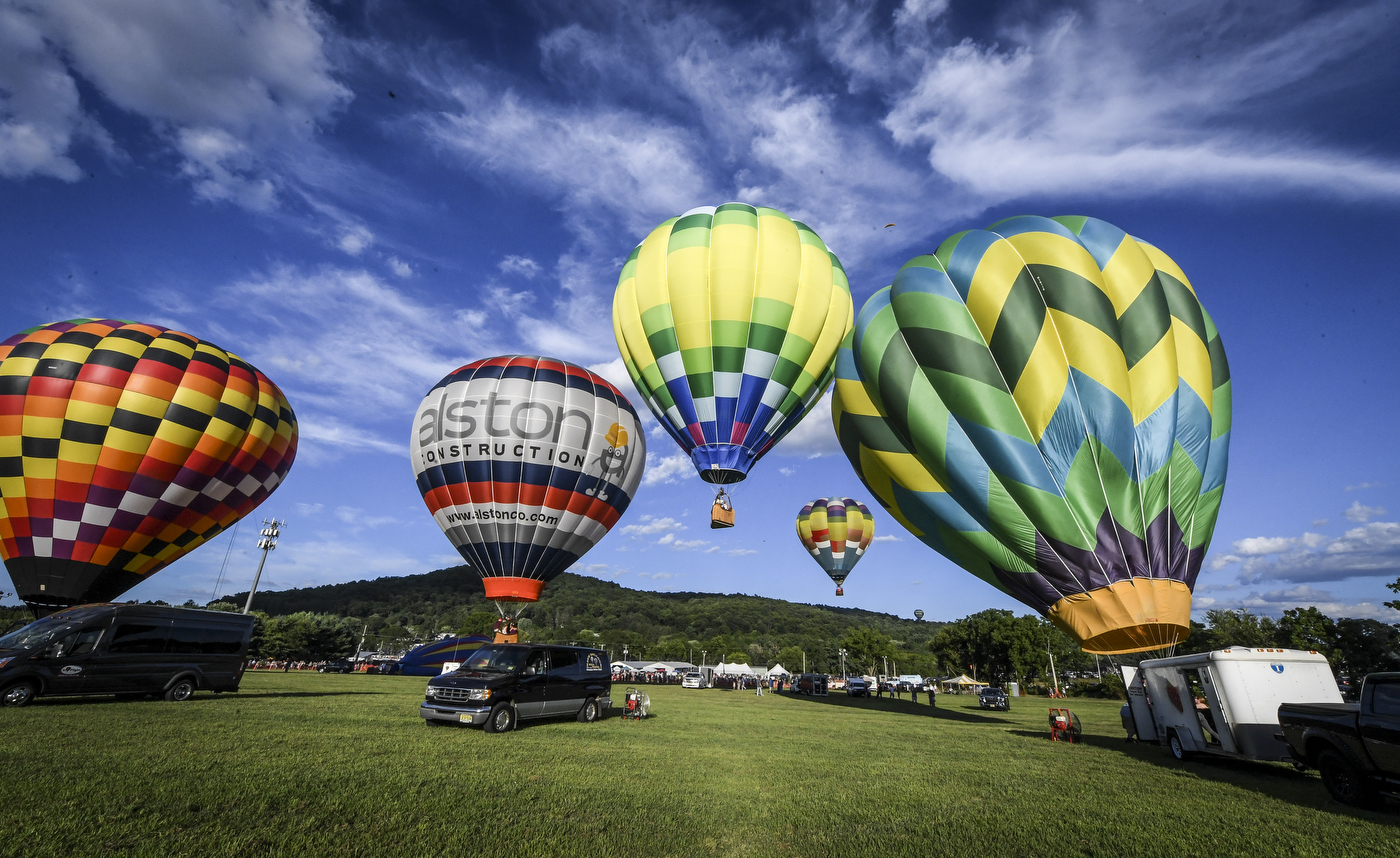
464,717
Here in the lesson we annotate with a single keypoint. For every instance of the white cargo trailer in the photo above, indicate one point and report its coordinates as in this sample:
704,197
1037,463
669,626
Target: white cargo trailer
1224,702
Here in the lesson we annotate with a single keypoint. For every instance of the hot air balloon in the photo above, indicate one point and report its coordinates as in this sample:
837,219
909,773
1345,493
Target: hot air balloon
525,463
919,613
837,531
728,319
123,447
1047,404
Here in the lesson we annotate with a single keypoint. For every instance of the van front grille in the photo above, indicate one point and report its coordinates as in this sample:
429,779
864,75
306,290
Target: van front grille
452,695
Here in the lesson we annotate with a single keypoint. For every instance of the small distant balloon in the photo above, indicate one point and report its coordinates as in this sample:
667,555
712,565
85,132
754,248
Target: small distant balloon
919,614
888,225
836,531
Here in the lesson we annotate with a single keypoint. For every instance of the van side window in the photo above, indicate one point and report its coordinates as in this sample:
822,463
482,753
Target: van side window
1385,700
563,662
76,643
222,640
537,663
139,636
185,638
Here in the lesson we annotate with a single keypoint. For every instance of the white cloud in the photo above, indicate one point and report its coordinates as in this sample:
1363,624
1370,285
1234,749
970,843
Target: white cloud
354,240
814,436
356,516
399,267
522,266
656,576
787,472
310,508
887,537
1362,486
238,90
1083,102
649,525
1370,550
670,541
1320,522
1274,602
1359,512
668,469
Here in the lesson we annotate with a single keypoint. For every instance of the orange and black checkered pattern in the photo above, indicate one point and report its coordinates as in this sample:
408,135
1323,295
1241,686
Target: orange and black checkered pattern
123,447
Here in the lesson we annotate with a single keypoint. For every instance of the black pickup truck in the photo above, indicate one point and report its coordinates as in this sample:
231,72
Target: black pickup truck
1355,746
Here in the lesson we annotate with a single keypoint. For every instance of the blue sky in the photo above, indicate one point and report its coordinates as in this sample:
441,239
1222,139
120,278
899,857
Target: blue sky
359,197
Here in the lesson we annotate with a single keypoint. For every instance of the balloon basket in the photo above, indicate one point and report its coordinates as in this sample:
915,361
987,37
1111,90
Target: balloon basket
500,638
722,513
840,591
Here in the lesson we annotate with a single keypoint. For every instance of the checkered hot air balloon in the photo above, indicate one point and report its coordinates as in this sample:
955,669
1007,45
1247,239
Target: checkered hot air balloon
525,463
836,531
1047,404
728,319
123,447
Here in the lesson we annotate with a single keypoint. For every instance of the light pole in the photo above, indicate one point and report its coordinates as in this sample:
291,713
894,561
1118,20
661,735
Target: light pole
843,663
703,653
267,541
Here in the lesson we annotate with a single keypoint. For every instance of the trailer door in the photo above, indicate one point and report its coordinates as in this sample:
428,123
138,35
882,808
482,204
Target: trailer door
1220,715
1138,703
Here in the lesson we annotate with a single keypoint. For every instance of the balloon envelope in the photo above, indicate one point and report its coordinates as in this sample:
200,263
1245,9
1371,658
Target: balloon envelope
525,463
836,531
1047,403
728,319
123,447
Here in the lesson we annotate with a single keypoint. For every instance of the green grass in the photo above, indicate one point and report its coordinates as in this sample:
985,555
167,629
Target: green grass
342,765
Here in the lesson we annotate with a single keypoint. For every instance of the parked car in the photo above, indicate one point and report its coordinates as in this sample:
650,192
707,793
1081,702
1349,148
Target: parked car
1354,746
857,687
339,665
695,679
501,684
994,698
127,650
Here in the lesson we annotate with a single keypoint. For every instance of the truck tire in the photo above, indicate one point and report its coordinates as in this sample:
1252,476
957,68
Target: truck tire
182,690
1345,782
501,719
588,713
19,694
1177,749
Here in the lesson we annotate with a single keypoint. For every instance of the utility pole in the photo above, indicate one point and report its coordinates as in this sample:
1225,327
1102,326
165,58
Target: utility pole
267,541
1054,676
804,661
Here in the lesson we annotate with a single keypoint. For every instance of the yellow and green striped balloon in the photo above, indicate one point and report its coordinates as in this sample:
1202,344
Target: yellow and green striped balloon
728,319
1047,403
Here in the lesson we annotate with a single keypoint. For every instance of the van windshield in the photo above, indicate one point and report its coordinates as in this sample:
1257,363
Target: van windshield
494,659
37,634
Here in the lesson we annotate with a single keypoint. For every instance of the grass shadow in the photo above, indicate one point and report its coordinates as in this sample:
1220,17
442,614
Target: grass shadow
899,707
1276,780
201,697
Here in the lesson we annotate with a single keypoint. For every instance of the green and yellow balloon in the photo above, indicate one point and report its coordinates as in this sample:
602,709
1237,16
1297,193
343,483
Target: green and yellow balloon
1047,403
728,319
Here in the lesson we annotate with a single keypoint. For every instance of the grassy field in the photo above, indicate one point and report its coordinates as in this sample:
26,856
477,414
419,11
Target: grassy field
342,765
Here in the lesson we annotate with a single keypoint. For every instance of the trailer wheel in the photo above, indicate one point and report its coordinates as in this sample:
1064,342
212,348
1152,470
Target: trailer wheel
1345,782
1178,750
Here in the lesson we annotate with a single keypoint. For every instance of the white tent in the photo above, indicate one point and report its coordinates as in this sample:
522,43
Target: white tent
778,670
670,666
734,670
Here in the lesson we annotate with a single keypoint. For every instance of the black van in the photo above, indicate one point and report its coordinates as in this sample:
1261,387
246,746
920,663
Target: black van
501,683
125,650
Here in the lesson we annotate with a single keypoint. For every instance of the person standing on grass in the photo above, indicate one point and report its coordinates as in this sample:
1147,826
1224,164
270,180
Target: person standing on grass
879,690
758,688
914,692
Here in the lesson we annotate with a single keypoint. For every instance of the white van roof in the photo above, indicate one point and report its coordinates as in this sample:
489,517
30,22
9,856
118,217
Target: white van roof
1237,653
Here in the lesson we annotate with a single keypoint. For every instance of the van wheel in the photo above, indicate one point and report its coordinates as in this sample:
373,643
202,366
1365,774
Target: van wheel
19,694
1345,782
183,689
1178,750
501,719
589,713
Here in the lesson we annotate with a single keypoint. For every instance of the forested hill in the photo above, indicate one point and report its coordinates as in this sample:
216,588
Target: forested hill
576,607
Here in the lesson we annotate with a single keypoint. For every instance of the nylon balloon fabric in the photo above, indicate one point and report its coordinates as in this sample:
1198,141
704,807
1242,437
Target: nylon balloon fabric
525,463
836,530
1047,403
123,447
728,319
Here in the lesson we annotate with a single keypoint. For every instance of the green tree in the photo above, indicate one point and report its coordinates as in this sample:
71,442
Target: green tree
1394,588
1366,646
1307,628
478,622
791,658
737,657
1239,628
866,647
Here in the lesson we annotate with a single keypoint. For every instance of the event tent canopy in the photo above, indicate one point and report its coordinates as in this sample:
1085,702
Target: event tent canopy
735,670
779,670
